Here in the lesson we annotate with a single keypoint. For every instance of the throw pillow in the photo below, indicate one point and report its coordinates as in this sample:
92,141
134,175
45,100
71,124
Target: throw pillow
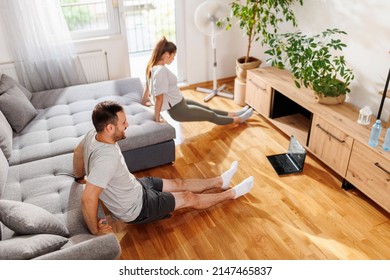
16,108
6,82
5,136
26,218
30,246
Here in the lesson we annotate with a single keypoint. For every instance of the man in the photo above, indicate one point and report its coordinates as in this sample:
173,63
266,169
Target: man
132,200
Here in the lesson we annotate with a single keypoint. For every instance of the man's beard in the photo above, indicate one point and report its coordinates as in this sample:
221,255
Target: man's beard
120,136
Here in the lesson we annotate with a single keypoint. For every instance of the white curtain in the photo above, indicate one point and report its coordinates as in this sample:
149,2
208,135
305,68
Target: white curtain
37,35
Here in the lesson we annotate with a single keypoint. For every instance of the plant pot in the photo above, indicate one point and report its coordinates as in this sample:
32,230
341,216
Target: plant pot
239,92
242,67
329,100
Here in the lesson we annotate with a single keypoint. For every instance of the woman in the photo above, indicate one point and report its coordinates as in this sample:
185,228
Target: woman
161,84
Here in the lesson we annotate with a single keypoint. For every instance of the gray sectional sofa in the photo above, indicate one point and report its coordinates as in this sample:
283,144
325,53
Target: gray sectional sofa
40,207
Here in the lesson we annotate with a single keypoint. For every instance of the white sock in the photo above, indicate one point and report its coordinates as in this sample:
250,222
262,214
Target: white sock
246,115
242,111
228,175
244,187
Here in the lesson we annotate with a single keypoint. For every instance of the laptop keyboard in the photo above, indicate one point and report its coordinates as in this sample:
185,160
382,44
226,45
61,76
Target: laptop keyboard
285,164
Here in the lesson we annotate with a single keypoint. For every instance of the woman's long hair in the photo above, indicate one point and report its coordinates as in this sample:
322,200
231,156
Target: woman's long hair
162,46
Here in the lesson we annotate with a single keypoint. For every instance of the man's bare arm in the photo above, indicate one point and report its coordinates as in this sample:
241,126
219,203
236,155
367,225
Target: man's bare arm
78,161
90,203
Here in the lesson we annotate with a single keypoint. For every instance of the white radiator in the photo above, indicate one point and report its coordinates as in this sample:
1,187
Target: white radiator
94,65
9,69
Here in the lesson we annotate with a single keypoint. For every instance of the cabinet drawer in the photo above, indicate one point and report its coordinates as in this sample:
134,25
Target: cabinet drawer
331,145
370,172
258,94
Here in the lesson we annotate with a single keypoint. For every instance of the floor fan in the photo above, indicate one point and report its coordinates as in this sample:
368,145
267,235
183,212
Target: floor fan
206,17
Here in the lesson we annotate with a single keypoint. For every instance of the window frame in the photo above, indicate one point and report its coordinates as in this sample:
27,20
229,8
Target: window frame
113,20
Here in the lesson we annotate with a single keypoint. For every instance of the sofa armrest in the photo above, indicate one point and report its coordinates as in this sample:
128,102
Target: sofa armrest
104,247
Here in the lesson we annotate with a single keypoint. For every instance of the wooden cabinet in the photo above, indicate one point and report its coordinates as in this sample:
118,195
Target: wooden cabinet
370,172
330,144
258,94
331,133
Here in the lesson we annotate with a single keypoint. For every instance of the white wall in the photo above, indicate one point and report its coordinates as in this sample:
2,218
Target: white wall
199,52
117,54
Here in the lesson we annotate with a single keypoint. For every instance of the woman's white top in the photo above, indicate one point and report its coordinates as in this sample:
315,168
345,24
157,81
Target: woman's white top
163,81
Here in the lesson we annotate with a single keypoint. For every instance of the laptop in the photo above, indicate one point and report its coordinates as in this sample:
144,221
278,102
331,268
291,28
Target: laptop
290,162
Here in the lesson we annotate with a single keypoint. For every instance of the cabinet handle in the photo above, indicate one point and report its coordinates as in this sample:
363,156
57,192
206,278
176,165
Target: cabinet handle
330,134
256,85
377,164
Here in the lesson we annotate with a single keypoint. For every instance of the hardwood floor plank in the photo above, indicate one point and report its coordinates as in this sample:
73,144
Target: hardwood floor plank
302,216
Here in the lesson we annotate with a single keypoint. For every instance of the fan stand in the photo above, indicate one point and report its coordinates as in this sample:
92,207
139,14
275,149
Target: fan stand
216,91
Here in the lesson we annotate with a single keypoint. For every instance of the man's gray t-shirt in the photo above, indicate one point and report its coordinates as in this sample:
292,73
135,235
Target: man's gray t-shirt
106,168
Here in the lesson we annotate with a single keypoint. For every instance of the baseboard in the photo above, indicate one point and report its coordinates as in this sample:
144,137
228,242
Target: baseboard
208,84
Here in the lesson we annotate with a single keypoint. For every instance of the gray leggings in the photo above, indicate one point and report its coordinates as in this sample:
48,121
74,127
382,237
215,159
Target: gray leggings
190,111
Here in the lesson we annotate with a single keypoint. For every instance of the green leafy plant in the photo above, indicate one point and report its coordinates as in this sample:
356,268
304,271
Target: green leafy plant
313,60
76,15
259,18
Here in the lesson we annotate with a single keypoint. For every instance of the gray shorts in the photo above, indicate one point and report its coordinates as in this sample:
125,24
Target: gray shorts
157,205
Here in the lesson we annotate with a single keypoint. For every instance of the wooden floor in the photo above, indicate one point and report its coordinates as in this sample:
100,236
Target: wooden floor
305,216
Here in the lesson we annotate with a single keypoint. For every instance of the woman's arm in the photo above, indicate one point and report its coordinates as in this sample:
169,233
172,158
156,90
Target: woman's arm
158,106
145,97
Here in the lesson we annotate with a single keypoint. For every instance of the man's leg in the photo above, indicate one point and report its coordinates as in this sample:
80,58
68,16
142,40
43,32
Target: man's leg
192,200
188,192
201,185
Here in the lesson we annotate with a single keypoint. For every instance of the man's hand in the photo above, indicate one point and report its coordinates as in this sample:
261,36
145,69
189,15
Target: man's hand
104,228
81,180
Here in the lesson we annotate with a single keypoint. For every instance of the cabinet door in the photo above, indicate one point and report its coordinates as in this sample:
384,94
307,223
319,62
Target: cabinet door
330,145
369,171
258,94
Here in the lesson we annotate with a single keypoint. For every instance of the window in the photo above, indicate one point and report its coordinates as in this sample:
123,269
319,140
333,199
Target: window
88,18
146,21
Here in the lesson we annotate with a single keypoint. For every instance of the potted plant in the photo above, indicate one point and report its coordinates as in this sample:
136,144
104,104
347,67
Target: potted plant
314,62
256,18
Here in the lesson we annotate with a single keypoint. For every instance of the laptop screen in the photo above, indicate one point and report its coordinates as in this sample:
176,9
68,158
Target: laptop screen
296,151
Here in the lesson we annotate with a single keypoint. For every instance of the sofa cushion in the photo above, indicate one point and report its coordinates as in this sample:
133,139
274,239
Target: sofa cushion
17,108
130,89
5,136
25,218
30,246
6,82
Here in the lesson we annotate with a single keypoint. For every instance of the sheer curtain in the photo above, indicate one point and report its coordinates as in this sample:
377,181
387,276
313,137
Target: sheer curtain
41,45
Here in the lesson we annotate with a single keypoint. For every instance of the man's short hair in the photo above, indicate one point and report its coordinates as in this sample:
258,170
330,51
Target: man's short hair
105,113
